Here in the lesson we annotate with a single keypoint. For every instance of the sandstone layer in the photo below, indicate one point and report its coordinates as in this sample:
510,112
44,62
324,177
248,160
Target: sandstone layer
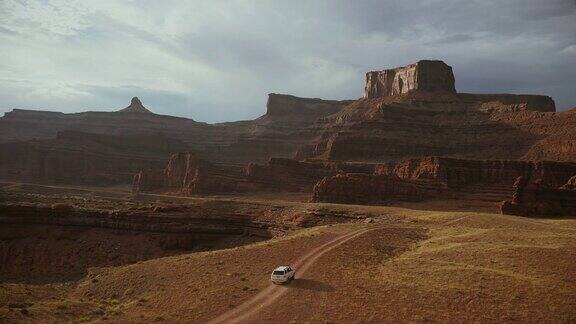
188,174
83,158
136,106
360,188
438,178
131,235
424,75
417,124
533,197
409,112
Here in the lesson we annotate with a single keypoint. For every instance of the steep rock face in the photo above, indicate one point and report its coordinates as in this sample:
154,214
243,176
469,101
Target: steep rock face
503,127
532,197
423,117
82,158
63,232
424,75
188,174
438,178
459,172
291,175
364,188
289,123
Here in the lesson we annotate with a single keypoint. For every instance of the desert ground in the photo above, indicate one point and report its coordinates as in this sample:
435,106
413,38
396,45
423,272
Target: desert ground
379,264
177,161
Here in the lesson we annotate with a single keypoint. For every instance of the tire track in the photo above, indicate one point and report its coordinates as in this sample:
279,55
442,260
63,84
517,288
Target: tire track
269,295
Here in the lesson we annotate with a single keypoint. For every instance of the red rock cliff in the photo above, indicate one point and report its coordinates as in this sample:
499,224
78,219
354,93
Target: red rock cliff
424,75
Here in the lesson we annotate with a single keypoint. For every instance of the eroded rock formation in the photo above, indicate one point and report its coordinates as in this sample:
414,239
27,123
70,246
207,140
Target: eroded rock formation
188,174
503,127
136,106
436,177
365,188
533,197
409,112
292,175
424,76
42,243
458,172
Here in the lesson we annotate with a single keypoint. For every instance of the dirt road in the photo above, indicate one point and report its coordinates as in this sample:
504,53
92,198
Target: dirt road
269,295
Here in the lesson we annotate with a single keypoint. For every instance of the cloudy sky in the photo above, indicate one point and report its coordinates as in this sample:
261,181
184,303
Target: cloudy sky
217,60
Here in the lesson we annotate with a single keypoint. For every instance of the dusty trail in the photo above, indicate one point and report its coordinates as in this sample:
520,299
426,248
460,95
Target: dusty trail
269,295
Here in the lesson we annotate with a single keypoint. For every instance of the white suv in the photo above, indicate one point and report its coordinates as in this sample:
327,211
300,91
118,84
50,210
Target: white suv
282,274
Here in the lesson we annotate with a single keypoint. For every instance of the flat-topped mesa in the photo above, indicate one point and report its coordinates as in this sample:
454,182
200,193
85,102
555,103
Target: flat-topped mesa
136,106
424,75
288,108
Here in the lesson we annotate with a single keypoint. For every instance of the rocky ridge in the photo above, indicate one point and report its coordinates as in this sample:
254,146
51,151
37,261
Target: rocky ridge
424,118
437,178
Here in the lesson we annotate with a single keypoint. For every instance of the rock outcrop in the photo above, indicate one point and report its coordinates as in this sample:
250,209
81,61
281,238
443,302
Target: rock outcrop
424,75
187,174
291,175
495,127
438,178
359,188
452,173
570,184
136,106
532,197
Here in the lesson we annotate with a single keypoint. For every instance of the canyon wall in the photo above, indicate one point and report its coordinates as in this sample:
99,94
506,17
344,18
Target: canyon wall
493,127
83,158
188,174
438,178
292,175
45,243
360,188
458,172
408,112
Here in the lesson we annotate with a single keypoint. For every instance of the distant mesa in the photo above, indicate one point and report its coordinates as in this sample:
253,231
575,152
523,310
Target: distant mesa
425,75
136,106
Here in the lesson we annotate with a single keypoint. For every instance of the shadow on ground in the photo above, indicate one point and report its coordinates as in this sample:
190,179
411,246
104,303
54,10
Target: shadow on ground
310,284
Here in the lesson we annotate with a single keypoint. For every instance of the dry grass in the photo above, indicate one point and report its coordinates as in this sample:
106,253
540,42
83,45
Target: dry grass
473,267
422,266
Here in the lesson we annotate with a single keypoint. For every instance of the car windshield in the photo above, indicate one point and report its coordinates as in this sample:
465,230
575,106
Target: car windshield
279,273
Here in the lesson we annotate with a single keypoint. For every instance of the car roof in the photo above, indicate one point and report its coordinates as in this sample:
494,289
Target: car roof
282,268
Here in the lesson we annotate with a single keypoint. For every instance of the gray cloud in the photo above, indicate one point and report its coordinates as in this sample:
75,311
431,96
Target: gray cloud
216,61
